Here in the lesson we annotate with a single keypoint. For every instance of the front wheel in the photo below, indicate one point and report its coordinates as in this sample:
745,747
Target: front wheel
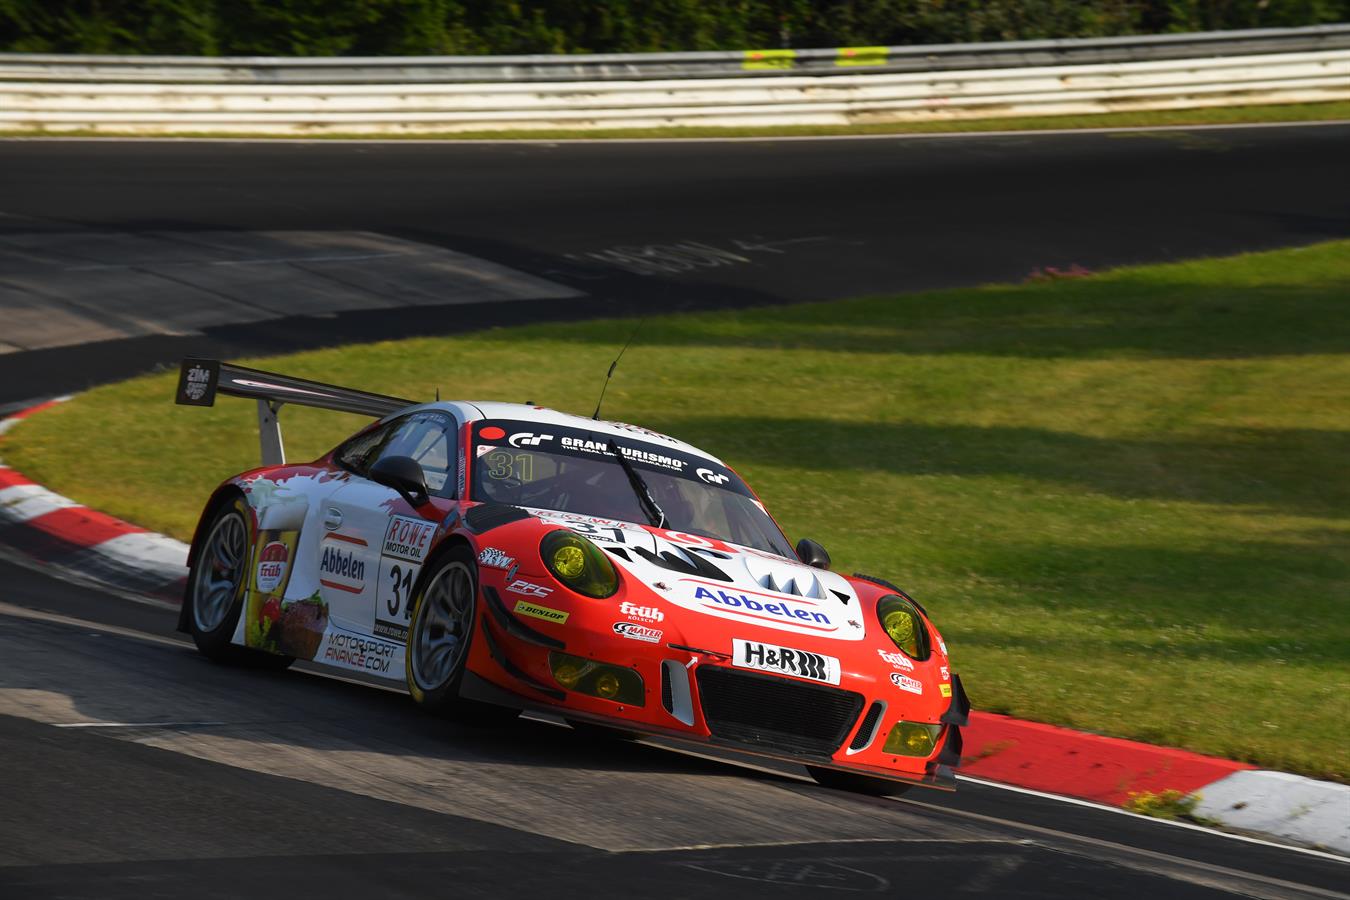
439,637
857,784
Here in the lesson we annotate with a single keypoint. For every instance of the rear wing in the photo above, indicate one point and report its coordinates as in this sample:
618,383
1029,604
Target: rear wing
200,380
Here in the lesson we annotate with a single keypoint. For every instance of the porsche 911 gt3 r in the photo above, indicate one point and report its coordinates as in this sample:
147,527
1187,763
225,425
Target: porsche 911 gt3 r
504,556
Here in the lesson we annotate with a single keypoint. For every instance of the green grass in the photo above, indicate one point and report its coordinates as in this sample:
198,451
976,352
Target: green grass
1219,115
1124,498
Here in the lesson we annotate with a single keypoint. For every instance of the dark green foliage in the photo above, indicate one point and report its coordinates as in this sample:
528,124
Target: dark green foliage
417,27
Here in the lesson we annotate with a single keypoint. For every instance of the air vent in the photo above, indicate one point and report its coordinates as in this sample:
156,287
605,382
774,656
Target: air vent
868,729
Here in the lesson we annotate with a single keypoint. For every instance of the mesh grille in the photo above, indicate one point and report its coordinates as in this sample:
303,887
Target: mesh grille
666,699
869,723
776,713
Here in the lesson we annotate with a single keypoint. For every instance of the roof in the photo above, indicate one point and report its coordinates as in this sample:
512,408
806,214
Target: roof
473,410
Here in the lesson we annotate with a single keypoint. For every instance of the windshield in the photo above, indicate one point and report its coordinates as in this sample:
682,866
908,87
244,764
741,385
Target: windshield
573,470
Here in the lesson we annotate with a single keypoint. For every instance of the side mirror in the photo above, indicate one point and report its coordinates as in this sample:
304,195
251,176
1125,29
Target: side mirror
811,553
403,474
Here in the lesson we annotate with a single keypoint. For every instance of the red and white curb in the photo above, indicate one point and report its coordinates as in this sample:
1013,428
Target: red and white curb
1052,760
1028,756
83,542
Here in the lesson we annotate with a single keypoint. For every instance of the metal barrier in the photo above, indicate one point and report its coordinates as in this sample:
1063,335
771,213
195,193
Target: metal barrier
156,95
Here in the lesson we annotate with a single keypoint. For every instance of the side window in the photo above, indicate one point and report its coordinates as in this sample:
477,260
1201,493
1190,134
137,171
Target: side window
360,452
430,439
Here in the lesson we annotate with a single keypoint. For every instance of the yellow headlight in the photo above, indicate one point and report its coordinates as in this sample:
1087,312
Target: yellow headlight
903,625
569,561
606,685
579,564
912,739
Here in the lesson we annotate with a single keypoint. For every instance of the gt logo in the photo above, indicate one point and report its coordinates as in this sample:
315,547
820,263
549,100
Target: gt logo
712,477
526,439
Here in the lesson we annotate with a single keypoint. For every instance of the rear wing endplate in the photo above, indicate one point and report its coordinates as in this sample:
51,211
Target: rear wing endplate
200,380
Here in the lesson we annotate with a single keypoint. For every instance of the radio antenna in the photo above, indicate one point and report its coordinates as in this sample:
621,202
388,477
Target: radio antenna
614,365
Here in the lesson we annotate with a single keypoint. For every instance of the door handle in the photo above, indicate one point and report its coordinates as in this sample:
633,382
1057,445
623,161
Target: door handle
332,519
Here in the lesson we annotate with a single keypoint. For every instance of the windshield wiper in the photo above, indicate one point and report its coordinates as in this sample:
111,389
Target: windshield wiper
655,515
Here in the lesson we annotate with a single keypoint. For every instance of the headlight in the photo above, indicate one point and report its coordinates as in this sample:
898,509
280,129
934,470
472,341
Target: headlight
579,564
586,676
912,739
902,622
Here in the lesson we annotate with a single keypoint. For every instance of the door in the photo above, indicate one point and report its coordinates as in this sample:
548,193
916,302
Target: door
375,543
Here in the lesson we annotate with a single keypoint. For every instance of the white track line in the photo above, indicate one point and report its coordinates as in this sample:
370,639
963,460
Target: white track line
925,135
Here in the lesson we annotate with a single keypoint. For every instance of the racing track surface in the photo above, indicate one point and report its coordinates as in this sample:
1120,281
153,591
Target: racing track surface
182,778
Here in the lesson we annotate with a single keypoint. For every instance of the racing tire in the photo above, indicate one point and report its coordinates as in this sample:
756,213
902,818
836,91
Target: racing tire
216,585
856,784
440,636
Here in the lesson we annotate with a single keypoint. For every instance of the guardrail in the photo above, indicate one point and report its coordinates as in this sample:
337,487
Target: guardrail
813,87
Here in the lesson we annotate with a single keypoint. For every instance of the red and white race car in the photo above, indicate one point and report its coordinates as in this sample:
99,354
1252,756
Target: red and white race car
499,555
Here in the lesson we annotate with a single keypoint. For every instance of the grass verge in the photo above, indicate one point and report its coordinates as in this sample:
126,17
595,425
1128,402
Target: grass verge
1219,115
1125,498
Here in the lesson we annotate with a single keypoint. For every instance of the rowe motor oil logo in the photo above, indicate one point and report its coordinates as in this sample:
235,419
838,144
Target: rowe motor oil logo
272,566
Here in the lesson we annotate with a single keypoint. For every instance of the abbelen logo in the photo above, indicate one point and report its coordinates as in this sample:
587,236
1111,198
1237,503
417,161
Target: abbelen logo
637,632
343,564
526,439
712,477
646,613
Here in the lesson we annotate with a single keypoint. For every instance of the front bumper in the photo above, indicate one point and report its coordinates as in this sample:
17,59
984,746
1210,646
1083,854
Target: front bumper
696,696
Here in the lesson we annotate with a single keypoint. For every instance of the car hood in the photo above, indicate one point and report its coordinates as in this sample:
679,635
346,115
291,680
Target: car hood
724,580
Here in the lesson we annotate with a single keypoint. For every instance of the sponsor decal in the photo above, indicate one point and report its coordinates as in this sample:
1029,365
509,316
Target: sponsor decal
408,539
584,445
942,647
520,586
711,477
526,439
645,613
346,567
495,559
946,673
905,683
556,616
272,561
491,433
783,660
358,653
637,632
725,599
196,382
946,689
897,659
660,585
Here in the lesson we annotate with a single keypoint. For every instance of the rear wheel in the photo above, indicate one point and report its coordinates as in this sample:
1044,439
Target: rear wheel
857,784
216,586
440,634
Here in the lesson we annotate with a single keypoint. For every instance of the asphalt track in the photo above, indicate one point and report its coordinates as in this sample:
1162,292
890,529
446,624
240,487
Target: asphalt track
185,778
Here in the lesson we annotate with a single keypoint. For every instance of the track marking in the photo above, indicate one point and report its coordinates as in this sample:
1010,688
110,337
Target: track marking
878,840
548,142
135,724
1189,826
